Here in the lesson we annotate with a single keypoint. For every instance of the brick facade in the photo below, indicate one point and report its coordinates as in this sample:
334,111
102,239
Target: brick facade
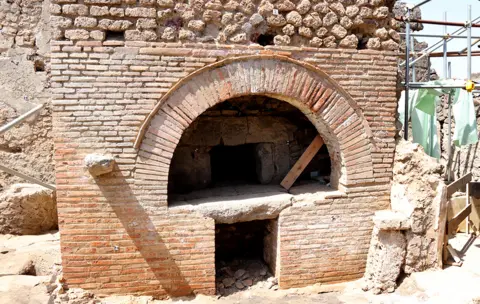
134,99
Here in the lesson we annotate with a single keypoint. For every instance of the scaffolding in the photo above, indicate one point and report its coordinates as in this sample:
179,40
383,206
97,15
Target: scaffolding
411,83
411,58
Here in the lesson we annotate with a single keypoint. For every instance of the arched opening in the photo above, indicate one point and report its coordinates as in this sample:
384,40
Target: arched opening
277,220
241,145
233,157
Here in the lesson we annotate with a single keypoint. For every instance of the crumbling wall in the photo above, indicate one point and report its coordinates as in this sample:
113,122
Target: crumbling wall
416,180
24,65
408,237
465,159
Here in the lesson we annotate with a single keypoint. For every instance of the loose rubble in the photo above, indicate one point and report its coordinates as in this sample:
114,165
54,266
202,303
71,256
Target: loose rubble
243,274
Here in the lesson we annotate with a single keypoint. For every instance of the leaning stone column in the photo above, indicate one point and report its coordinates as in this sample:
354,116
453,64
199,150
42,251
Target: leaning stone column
387,251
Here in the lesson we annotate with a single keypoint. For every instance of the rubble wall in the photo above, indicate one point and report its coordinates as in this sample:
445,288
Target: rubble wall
24,65
347,24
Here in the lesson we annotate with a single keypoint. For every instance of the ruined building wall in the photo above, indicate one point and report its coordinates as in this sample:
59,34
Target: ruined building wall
24,64
465,159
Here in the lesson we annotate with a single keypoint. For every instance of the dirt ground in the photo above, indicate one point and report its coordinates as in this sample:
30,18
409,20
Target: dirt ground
29,265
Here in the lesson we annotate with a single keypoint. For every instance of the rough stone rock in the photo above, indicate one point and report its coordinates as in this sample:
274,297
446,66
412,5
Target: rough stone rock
381,12
281,40
316,42
247,7
165,3
227,282
114,25
276,20
304,6
98,164
385,259
305,31
294,18
239,38
145,23
231,5
239,285
394,35
196,25
85,22
346,22
227,18
169,34
117,12
142,12
338,8
366,12
27,209
330,19
288,30
73,9
352,11
77,34
321,8
285,5
265,8
321,32
99,11
60,22
97,35
374,43
313,20
330,42
212,16
239,273
164,14
350,42
382,33
256,19
338,31
390,45
184,34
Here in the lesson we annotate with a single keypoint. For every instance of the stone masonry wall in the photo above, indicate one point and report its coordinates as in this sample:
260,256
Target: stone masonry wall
317,23
24,64
117,233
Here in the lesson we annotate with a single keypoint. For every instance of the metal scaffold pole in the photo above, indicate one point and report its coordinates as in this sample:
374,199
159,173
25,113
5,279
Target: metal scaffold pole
407,73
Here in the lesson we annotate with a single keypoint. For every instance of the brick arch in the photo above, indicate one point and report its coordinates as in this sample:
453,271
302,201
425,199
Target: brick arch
331,109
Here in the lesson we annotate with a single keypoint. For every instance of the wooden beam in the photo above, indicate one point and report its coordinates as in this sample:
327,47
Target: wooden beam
458,184
302,162
458,218
454,254
26,177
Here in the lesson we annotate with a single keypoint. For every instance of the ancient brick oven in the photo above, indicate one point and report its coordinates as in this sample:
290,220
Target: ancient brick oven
202,134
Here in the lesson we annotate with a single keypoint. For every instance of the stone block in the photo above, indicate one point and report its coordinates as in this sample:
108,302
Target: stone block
385,259
264,162
391,220
98,164
190,169
27,209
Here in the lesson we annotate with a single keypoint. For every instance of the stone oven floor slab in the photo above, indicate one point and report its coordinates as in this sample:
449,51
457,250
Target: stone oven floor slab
242,203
